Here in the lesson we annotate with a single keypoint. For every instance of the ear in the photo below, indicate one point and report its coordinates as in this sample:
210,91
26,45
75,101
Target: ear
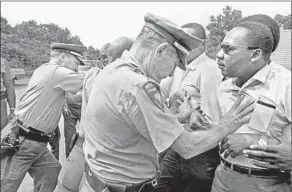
256,55
61,58
160,49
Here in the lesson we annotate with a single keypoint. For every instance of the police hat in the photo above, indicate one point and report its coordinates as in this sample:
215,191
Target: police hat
76,50
174,34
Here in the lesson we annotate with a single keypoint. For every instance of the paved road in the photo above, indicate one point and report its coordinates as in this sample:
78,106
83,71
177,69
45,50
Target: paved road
27,184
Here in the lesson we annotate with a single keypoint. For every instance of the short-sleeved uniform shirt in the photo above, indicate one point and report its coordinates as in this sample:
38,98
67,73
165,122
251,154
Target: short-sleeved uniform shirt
272,85
88,83
41,105
5,69
126,124
201,80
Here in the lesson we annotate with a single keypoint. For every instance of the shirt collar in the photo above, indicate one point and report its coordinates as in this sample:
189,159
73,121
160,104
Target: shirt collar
130,59
262,74
199,60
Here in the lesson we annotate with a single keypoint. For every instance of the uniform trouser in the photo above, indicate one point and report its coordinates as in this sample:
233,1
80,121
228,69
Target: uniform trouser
227,180
55,143
98,186
35,158
4,119
72,171
85,187
195,174
70,121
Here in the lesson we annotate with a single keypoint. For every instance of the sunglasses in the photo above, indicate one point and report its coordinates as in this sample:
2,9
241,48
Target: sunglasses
227,47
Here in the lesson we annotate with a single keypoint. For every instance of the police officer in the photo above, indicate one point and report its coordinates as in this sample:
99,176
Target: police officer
38,115
73,169
7,93
129,124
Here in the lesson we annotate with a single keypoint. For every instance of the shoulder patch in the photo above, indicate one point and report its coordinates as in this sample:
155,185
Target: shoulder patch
153,93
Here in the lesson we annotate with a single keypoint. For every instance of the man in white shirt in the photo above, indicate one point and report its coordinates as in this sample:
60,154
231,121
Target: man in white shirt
200,80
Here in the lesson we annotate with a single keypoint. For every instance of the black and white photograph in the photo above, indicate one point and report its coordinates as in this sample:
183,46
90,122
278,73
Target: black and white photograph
146,97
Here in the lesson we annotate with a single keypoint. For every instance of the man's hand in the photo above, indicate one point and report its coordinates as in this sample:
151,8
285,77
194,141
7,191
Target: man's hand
11,115
198,121
234,144
236,116
175,100
185,108
271,156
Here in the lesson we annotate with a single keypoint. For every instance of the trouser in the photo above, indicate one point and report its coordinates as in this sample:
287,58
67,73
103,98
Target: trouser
72,170
195,174
71,115
32,157
4,119
55,143
92,183
227,180
85,187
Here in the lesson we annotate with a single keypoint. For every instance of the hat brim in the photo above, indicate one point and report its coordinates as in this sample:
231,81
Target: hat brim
79,57
182,61
81,61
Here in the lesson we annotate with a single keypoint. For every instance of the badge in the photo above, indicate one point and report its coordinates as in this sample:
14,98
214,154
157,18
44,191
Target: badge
151,90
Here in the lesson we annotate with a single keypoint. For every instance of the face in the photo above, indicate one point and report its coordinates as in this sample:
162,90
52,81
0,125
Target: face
164,61
234,59
71,62
103,57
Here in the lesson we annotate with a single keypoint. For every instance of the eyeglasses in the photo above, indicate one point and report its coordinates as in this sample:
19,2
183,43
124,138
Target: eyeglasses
227,47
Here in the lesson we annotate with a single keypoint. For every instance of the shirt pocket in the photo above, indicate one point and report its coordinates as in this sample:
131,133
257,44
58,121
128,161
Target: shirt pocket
262,117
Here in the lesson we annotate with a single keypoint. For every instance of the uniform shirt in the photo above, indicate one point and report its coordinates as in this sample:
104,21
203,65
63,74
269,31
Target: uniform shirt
201,80
272,84
87,87
5,69
41,105
127,124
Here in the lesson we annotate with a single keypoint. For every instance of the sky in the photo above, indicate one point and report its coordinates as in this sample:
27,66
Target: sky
97,23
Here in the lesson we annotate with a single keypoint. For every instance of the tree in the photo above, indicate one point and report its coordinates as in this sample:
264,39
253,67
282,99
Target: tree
91,53
284,22
218,27
5,27
27,45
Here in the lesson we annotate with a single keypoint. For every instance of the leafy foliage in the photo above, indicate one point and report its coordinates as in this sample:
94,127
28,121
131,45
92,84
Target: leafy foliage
283,21
92,54
27,45
218,27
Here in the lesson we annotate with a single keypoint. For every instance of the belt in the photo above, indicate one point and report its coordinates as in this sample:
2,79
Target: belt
33,134
253,171
97,185
74,105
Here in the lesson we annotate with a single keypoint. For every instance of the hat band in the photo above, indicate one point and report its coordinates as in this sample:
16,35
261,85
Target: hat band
69,52
172,40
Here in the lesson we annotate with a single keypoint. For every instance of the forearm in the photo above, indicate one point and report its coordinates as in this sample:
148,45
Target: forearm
190,144
11,97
